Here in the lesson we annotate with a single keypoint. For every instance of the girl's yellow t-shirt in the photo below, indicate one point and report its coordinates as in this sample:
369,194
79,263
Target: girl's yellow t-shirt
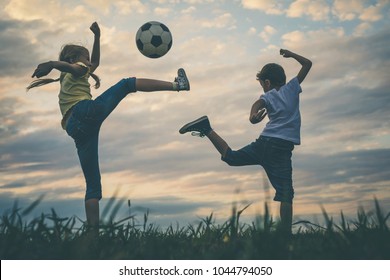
73,89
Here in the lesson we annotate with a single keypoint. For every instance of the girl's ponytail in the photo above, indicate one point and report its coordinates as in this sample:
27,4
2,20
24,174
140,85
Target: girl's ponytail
97,80
41,82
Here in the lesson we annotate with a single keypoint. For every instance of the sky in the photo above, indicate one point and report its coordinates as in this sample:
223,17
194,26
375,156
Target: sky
341,165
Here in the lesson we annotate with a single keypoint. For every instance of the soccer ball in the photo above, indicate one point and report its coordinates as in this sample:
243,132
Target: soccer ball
153,39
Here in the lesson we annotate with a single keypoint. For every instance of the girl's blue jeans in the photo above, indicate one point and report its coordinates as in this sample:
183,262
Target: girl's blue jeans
84,125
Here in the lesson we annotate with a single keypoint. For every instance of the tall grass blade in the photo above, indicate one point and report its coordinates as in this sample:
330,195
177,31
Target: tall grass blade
109,204
379,215
344,225
146,217
328,221
32,206
268,222
115,210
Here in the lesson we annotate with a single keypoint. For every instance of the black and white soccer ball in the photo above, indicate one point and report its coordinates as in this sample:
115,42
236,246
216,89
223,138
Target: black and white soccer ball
153,39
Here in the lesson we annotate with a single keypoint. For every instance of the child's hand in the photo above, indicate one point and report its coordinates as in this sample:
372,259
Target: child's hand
258,117
42,69
95,29
286,53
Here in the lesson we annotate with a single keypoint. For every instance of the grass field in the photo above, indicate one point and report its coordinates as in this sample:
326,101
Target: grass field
52,237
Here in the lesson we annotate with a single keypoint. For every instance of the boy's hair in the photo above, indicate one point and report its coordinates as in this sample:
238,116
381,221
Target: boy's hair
274,73
69,53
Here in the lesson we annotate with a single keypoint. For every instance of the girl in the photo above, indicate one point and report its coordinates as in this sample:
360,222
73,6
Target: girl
82,117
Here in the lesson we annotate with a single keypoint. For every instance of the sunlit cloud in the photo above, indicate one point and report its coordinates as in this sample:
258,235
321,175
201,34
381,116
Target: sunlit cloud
317,10
269,7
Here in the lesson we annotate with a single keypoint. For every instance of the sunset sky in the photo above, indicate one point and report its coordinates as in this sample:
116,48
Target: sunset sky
342,163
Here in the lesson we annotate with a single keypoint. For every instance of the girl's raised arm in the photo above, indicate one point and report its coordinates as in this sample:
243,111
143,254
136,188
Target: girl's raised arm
45,68
95,56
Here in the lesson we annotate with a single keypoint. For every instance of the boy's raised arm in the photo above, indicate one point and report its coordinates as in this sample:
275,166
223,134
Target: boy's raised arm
306,63
258,112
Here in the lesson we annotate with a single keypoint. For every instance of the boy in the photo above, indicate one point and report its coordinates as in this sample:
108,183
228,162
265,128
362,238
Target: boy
273,149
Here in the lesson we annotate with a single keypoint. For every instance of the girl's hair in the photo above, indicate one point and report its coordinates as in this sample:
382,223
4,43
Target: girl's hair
274,73
69,53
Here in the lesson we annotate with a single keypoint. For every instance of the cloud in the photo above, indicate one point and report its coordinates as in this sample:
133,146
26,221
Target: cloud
9,125
330,47
317,10
16,50
162,11
189,10
225,20
54,13
342,181
267,32
321,10
269,7
372,13
354,167
351,9
362,28
193,2
346,10
118,6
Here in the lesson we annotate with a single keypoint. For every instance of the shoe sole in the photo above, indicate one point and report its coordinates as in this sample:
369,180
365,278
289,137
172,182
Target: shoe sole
182,73
184,129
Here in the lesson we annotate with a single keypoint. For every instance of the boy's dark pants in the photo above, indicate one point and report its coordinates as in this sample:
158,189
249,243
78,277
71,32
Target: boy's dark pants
274,155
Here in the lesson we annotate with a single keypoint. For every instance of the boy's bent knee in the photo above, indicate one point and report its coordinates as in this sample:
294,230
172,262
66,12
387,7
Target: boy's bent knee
229,158
241,157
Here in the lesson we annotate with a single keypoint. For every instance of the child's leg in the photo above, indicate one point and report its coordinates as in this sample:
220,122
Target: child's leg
286,214
89,161
278,165
248,155
154,85
220,144
202,125
109,99
181,82
92,212
85,133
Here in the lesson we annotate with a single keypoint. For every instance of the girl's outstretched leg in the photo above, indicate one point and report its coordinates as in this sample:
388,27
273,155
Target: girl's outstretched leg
148,85
180,83
109,99
92,212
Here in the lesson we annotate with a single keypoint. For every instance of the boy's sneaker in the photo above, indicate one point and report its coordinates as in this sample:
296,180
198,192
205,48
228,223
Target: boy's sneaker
201,125
182,81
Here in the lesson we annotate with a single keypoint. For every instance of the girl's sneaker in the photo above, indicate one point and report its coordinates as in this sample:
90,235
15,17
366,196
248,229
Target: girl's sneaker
201,125
182,81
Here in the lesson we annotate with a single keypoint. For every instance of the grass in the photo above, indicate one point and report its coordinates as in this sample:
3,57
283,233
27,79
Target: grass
52,237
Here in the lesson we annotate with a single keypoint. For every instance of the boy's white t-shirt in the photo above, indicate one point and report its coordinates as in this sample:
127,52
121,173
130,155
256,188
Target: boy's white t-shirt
283,112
